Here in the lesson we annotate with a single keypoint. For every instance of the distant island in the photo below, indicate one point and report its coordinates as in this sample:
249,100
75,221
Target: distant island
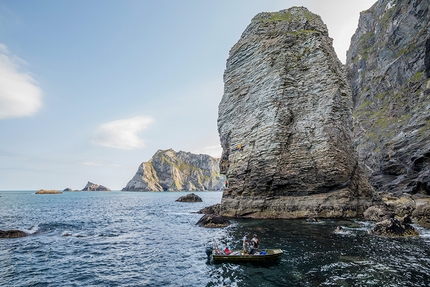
50,191
169,170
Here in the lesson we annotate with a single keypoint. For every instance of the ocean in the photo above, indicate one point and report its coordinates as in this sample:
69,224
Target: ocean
147,239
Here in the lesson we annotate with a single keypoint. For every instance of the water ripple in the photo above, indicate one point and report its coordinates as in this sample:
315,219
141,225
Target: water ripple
148,239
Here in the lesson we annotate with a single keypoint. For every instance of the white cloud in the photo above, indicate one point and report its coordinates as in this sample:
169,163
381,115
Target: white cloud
214,151
122,134
19,93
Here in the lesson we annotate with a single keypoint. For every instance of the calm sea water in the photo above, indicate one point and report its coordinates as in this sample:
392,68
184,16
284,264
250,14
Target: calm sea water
148,239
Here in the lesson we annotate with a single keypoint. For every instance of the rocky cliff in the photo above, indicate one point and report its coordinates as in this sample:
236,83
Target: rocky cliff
388,67
285,123
168,170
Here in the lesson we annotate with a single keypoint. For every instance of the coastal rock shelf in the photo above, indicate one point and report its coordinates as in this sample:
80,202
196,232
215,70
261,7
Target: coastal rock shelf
285,123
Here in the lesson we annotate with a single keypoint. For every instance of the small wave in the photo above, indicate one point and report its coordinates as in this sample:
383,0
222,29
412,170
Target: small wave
424,232
343,232
32,230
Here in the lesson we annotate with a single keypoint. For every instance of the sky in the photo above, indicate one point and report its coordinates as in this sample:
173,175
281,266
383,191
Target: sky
91,89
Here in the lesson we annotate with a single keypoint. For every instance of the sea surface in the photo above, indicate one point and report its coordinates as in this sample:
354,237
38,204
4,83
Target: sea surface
147,239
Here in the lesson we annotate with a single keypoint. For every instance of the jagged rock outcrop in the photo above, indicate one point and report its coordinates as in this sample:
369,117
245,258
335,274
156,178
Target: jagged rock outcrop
394,227
168,170
213,209
388,66
416,207
95,187
285,123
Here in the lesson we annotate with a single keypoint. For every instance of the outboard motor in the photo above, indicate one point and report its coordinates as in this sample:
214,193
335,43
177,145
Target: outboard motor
209,250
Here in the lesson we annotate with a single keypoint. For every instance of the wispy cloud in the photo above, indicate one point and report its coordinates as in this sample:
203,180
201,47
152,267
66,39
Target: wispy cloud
122,134
20,94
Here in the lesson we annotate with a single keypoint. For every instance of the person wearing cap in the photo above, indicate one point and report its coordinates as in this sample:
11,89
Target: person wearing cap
245,243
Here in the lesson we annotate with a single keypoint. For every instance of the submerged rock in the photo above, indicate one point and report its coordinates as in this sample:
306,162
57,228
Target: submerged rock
213,220
12,233
191,197
388,67
285,123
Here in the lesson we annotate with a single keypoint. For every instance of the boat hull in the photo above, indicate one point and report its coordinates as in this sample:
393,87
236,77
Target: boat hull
272,254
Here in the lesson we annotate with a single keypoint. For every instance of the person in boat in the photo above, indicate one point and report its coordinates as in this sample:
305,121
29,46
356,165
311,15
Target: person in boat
245,241
254,244
227,250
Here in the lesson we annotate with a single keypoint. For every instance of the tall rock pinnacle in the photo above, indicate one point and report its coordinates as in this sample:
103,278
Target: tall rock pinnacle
285,123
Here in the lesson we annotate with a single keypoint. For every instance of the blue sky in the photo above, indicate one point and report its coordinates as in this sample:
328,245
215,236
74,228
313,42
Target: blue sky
90,89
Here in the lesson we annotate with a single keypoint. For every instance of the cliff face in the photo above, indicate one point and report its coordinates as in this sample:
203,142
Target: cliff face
285,123
168,170
388,66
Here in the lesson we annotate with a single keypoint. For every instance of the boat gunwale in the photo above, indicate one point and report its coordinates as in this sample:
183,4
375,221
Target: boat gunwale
249,258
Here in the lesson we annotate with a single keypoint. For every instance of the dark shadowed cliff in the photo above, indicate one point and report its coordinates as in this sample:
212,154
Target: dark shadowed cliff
285,123
388,67
168,170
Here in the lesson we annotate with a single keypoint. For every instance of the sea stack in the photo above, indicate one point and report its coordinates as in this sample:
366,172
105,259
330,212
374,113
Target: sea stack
285,123
388,66
169,170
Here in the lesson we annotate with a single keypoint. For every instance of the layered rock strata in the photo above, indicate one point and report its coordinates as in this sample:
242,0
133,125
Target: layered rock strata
168,170
388,66
285,124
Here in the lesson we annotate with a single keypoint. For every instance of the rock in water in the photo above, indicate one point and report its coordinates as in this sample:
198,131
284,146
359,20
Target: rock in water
48,191
285,123
168,170
394,227
95,187
12,233
388,66
191,197
213,221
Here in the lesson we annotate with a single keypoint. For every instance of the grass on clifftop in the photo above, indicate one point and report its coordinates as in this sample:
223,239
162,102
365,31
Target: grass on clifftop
289,16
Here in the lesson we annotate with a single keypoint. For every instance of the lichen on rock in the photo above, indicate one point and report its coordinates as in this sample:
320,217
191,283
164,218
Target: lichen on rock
285,123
